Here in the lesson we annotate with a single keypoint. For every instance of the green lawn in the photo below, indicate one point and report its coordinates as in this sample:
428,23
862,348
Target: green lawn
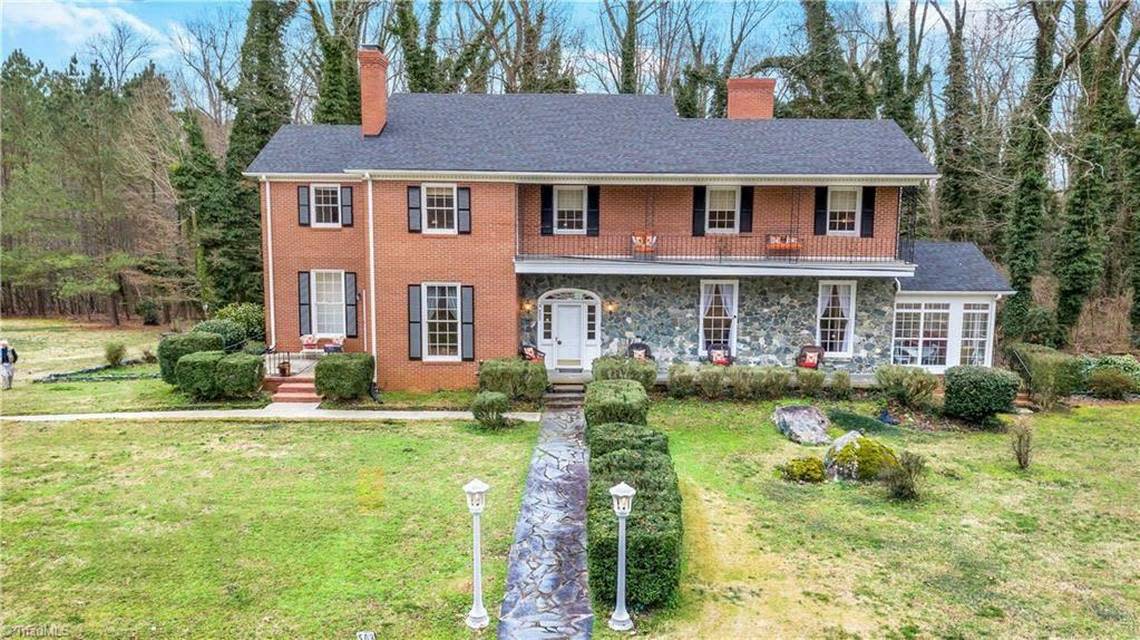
251,530
988,551
58,345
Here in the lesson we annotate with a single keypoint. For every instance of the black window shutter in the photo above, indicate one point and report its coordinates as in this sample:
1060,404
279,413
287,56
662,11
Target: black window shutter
867,224
415,222
346,206
350,330
746,209
592,195
821,211
304,313
303,205
415,319
463,207
547,210
467,326
698,211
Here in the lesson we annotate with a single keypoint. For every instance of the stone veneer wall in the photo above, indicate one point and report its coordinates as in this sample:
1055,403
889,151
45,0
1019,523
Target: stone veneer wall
776,316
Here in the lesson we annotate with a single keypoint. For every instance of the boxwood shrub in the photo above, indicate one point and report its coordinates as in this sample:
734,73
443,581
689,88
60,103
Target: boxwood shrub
250,315
239,375
682,380
233,334
611,436
198,374
517,378
653,529
625,368
344,376
172,348
909,386
616,401
489,408
975,394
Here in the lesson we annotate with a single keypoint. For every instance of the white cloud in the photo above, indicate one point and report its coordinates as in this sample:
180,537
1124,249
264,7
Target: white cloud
74,24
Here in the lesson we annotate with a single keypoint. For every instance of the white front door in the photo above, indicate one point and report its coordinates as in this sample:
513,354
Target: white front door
568,336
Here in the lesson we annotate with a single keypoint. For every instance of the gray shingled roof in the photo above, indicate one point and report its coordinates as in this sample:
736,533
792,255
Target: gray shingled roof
953,266
583,133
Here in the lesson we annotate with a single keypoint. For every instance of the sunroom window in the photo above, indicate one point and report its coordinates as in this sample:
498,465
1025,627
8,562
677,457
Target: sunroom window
922,333
975,332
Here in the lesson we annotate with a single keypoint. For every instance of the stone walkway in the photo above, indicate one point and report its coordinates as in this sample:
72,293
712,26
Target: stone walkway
546,594
273,411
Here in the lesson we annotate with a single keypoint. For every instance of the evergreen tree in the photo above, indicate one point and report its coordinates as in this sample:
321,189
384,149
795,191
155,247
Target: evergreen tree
425,70
204,200
338,90
897,97
690,90
958,202
628,76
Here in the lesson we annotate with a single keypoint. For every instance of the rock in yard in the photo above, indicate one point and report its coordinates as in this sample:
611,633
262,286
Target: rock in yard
803,424
854,456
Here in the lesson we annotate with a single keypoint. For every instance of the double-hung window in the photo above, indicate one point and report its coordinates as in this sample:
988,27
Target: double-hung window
570,210
441,321
975,332
723,210
922,333
843,211
718,314
439,209
326,205
835,317
328,303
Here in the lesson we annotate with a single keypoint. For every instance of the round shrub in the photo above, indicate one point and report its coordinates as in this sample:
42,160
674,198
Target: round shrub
114,352
976,393
625,368
233,335
489,407
810,381
172,348
861,459
239,375
517,378
616,401
249,315
198,374
909,386
1113,384
807,469
343,376
682,380
612,436
1125,363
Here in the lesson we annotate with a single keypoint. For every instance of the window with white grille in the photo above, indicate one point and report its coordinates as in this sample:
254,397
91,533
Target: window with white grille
570,210
843,211
922,333
326,205
439,208
718,314
975,332
441,321
721,216
836,317
328,303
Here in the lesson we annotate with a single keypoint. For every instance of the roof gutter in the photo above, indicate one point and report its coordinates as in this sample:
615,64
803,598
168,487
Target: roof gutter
544,177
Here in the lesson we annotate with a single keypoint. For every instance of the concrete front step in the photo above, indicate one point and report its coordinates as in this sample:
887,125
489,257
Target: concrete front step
296,397
272,383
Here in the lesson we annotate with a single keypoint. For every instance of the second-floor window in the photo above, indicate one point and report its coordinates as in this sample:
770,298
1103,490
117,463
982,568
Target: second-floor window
326,205
570,210
723,210
439,208
843,211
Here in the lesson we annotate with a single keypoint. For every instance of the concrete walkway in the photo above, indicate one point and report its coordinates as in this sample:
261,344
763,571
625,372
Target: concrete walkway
274,411
546,592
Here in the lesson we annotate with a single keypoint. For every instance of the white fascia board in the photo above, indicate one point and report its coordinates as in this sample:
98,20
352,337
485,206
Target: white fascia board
955,294
885,180
607,267
305,177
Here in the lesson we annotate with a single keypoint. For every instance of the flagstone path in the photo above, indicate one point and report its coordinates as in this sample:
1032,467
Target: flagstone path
546,595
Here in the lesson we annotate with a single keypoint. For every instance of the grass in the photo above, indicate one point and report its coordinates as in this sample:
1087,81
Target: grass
445,400
988,551
58,345
252,530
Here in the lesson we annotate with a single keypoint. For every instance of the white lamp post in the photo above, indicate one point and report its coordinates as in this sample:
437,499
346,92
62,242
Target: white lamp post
623,503
476,491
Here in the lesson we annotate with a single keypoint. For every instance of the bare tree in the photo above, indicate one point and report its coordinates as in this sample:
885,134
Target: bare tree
208,49
119,52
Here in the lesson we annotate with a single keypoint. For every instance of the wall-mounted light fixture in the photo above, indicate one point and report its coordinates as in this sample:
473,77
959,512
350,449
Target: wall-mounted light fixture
527,306
611,306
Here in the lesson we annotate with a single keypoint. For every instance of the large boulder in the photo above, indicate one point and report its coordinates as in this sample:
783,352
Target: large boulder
854,456
803,424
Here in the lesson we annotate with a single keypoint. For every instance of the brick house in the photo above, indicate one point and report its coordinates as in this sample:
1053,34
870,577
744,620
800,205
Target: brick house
448,229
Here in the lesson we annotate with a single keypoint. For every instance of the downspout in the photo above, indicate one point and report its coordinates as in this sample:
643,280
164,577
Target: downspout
372,283
269,257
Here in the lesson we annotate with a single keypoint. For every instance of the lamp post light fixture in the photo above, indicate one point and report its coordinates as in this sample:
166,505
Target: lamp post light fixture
623,503
476,491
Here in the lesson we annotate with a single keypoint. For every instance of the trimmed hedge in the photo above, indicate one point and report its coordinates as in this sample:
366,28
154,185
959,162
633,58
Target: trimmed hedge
653,529
233,334
198,374
612,436
682,380
172,348
344,376
489,407
250,315
616,401
810,381
517,378
1124,363
975,394
239,375
909,386
1111,383
626,368
1049,374
742,382
840,387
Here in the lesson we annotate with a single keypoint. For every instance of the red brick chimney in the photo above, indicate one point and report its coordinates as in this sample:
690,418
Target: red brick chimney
751,98
373,89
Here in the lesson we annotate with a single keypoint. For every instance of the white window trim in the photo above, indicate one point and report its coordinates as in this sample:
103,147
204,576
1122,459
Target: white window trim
458,357
313,302
858,211
842,355
454,230
735,216
701,315
585,209
313,206
957,304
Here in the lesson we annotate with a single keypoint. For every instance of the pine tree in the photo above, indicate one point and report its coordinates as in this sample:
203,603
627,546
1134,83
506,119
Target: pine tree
338,90
204,200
